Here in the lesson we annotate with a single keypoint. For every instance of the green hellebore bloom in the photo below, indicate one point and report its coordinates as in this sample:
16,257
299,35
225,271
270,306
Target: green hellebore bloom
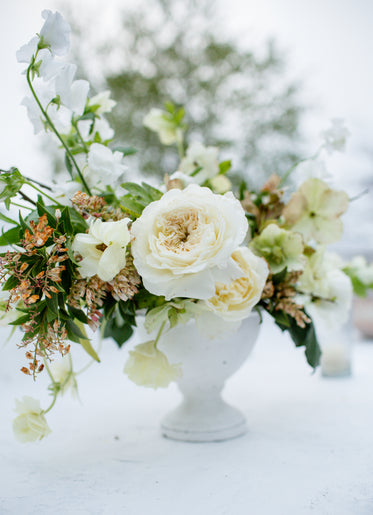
314,211
280,247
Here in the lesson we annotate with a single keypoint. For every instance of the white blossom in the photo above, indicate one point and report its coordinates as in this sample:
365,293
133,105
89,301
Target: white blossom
326,291
148,366
73,93
201,158
336,136
103,249
25,53
30,425
104,166
55,33
182,243
156,120
103,101
234,301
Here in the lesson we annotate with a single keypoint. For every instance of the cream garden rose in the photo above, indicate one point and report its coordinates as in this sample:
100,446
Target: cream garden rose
234,301
148,366
30,425
183,243
103,249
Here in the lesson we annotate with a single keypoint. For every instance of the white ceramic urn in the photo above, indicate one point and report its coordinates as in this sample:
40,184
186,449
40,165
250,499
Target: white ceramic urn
203,416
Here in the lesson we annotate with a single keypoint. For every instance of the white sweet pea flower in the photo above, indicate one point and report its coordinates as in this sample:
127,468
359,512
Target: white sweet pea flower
148,366
103,101
182,243
73,93
103,128
156,120
25,53
55,33
49,66
336,136
104,166
103,249
60,116
30,425
204,159
234,301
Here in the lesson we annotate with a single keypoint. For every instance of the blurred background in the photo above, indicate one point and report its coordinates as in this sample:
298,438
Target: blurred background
260,80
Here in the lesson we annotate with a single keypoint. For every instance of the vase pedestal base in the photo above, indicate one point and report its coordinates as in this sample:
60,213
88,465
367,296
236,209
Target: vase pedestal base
190,423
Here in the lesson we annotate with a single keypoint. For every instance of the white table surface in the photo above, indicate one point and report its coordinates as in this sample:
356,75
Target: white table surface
309,449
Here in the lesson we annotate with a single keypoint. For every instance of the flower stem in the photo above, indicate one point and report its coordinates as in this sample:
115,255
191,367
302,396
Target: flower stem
42,192
159,334
180,143
20,205
75,125
51,125
286,175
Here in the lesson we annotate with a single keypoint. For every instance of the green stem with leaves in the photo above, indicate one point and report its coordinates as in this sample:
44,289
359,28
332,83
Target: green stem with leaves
53,128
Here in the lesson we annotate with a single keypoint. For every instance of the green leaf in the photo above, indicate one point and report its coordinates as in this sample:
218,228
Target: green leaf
66,220
303,336
74,330
131,207
152,192
21,320
8,220
126,151
224,166
68,164
49,211
120,334
9,237
77,313
87,346
12,182
137,191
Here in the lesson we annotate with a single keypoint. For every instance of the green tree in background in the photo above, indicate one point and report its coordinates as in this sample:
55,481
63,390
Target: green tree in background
236,99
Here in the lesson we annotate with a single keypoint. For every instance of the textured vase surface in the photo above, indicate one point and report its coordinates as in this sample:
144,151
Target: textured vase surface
203,416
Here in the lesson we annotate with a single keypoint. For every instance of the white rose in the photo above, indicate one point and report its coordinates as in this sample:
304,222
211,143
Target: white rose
234,301
30,425
148,366
183,242
103,249
200,157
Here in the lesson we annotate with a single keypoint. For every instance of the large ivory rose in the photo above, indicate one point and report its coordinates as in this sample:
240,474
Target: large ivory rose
30,425
182,243
234,301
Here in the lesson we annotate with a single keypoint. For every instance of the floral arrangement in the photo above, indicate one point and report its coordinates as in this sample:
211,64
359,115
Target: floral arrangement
101,250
